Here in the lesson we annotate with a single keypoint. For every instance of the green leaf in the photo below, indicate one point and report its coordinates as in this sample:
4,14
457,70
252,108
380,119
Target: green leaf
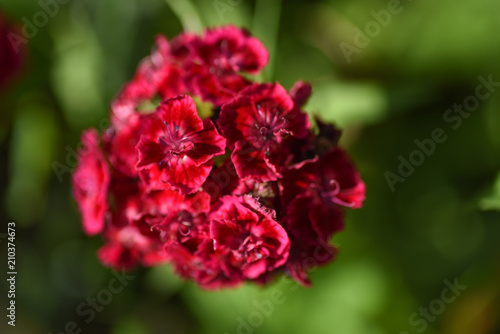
347,104
492,200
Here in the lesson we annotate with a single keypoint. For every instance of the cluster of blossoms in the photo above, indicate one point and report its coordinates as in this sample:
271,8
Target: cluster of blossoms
246,192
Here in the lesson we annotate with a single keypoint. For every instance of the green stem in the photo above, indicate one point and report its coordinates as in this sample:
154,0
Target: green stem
187,14
266,27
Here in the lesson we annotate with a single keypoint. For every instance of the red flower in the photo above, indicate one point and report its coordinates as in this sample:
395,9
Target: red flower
11,51
222,181
313,192
270,205
311,218
191,249
257,243
131,244
218,58
332,177
305,256
255,124
299,120
177,146
133,234
158,74
121,142
199,261
90,183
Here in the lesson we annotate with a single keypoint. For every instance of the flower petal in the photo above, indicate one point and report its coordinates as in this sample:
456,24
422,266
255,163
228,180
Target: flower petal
180,112
251,162
207,143
90,183
184,175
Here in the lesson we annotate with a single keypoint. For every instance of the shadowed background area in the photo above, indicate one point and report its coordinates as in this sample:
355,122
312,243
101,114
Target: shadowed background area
422,256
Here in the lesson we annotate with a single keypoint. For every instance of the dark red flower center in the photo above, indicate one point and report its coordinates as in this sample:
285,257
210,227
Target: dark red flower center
222,61
251,249
328,190
221,66
269,123
174,143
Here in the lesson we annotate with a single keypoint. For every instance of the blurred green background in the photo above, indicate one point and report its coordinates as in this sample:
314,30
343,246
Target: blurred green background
397,253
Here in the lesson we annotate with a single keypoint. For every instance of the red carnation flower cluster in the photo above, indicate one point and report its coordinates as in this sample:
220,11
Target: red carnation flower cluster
246,193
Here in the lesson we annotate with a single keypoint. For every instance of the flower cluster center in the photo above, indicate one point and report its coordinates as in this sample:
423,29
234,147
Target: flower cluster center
173,143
